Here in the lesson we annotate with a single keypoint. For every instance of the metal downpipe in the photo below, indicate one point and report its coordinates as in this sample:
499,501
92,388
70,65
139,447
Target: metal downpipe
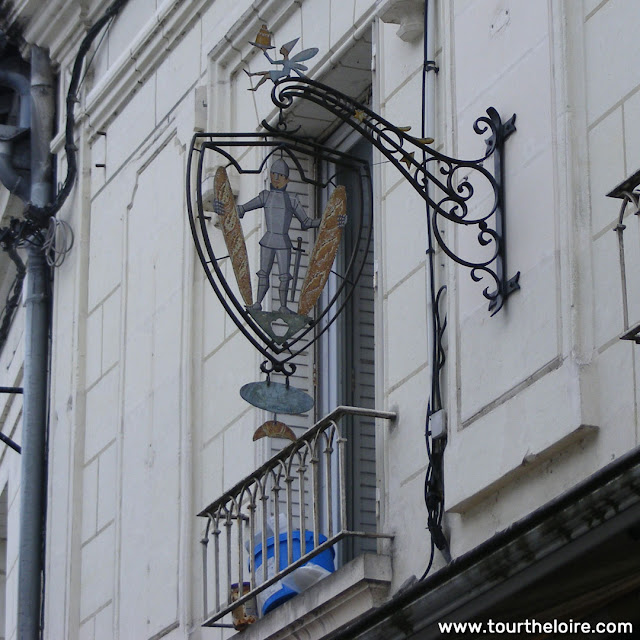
34,426
42,101
9,177
15,75
36,367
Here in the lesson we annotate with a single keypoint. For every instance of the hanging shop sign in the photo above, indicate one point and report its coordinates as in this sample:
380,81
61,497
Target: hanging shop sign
280,303
277,302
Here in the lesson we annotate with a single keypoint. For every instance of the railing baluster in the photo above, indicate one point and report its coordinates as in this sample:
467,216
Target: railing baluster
228,524
216,551
240,522
302,470
276,524
329,483
315,491
342,481
289,481
205,573
265,508
252,544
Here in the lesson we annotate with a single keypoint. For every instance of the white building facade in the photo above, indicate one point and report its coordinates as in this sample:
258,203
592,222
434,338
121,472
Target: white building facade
539,412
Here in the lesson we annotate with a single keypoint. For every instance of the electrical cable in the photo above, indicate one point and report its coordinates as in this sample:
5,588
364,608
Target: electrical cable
434,478
58,241
14,296
95,51
36,218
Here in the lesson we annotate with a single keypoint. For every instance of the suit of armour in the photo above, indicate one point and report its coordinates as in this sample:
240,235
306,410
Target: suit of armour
275,245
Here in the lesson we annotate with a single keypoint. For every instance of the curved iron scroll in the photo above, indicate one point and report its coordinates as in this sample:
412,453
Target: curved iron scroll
447,184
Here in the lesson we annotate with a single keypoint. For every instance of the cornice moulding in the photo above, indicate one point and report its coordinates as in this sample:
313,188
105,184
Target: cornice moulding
57,25
232,50
153,42
234,43
140,59
157,38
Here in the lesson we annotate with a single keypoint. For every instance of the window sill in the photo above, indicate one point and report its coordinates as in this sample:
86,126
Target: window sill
358,587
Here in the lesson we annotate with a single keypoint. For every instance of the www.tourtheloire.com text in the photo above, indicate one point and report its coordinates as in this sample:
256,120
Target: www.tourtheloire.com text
533,627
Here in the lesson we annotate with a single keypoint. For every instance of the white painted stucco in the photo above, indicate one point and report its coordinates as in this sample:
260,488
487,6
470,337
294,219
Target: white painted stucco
146,423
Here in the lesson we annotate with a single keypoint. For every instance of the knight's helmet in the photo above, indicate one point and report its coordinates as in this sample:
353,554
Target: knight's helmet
281,167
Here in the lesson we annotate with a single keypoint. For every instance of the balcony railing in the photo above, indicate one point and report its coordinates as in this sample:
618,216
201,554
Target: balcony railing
628,191
306,484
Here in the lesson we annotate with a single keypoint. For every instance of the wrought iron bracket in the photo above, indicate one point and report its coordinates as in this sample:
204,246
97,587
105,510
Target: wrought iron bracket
495,147
430,65
447,184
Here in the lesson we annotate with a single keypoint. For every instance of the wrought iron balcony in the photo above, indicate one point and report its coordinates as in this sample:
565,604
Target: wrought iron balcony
628,191
305,484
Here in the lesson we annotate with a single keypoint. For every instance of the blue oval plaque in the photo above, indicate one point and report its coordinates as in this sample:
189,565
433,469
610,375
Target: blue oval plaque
276,397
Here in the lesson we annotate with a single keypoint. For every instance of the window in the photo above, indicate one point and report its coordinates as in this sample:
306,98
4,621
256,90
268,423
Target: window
340,368
345,366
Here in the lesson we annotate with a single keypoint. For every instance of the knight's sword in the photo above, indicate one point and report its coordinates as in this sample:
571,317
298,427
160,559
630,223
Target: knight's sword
296,267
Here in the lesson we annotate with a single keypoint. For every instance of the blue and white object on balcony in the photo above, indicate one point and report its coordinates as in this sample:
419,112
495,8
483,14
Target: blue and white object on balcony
309,573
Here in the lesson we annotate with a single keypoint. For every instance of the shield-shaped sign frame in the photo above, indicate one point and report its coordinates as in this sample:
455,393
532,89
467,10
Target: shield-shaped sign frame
227,150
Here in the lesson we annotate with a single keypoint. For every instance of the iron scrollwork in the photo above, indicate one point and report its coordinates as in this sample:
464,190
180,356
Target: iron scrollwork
446,184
